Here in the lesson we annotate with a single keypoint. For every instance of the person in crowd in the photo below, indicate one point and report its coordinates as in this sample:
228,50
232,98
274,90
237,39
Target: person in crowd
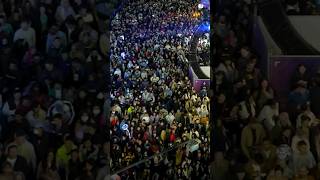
45,71
252,136
17,162
8,173
25,149
25,34
48,167
303,158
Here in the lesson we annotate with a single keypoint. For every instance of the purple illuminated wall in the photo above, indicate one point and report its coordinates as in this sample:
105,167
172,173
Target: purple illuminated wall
282,68
197,83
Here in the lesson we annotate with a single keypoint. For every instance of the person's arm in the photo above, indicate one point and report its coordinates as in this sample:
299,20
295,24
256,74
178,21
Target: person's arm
33,35
39,170
48,43
262,115
312,162
244,144
33,158
16,36
57,14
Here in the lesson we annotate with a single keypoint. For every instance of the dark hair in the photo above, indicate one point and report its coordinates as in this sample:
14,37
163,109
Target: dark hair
4,164
53,162
58,115
12,146
305,118
20,132
67,137
271,102
302,143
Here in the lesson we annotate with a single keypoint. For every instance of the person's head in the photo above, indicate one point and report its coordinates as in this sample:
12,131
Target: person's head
302,172
218,156
13,66
2,19
85,117
74,154
56,43
284,119
42,10
245,51
96,110
83,11
252,122
64,3
305,107
82,94
20,137
68,141
7,168
87,143
17,94
305,120
49,66
301,69
302,147
222,20
251,65
264,84
12,152
54,29
38,131
278,170
267,144
50,156
88,165
272,103
221,98
220,75
25,24
16,15
57,119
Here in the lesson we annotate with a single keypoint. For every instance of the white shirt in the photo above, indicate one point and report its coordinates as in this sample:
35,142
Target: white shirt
266,116
12,161
28,35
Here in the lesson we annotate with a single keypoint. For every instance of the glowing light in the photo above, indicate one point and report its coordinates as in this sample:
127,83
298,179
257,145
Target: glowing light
196,14
206,4
125,127
200,6
204,27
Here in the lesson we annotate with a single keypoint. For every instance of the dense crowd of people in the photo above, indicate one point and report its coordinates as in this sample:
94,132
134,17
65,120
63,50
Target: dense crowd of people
52,91
253,137
154,106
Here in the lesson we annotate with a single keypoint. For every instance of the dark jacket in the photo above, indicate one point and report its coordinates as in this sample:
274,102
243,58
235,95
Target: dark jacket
21,165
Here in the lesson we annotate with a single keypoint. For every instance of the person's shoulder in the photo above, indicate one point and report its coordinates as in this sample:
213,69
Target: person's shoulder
21,159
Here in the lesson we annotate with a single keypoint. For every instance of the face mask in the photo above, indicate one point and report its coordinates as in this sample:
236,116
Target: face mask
36,131
58,93
4,42
85,118
76,77
100,96
82,95
96,111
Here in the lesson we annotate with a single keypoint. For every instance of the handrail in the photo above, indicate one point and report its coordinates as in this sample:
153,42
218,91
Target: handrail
282,31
